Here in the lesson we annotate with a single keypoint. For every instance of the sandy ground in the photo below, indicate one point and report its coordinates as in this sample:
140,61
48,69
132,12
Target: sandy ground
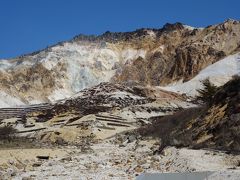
15,155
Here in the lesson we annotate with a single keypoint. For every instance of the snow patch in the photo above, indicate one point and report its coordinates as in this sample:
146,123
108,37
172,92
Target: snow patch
218,73
189,27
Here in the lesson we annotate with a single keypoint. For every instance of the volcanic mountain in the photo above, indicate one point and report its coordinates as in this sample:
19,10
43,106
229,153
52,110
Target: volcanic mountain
175,53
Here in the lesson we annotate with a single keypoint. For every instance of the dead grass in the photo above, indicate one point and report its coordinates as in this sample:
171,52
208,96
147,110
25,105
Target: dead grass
163,127
19,143
10,140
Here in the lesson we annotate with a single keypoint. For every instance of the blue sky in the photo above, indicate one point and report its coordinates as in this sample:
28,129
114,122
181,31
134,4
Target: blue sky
29,25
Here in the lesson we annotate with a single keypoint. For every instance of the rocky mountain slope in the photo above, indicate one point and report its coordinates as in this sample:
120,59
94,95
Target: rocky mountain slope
215,126
218,128
174,53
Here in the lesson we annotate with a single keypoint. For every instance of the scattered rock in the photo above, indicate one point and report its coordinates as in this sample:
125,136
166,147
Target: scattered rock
37,164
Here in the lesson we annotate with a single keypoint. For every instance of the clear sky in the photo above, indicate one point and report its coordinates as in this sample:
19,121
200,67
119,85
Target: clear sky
29,25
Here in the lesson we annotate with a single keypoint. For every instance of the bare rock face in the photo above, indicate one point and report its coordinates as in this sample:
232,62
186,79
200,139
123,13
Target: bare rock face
190,60
146,56
182,53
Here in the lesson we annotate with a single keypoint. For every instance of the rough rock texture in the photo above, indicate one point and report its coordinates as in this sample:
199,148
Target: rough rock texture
181,54
215,126
147,56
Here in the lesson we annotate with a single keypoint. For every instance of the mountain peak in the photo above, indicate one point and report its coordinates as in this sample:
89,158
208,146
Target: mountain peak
174,26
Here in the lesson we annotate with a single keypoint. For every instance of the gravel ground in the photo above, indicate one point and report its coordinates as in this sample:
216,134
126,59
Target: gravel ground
107,160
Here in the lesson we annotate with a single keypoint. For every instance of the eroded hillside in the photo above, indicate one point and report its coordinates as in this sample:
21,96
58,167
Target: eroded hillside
147,56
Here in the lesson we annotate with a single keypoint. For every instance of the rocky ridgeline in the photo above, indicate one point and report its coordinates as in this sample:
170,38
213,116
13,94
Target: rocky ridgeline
115,37
180,54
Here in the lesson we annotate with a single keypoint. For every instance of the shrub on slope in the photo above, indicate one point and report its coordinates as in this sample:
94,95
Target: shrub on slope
216,126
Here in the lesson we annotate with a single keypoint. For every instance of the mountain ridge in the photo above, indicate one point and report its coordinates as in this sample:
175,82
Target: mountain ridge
166,26
146,56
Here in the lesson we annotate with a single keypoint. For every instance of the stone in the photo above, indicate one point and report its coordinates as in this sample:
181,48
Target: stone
146,166
14,173
37,164
166,152
10,162
27,178
138,169
132,138
69,158
124,144
11,172
111,175
43,157
155,158
20,165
